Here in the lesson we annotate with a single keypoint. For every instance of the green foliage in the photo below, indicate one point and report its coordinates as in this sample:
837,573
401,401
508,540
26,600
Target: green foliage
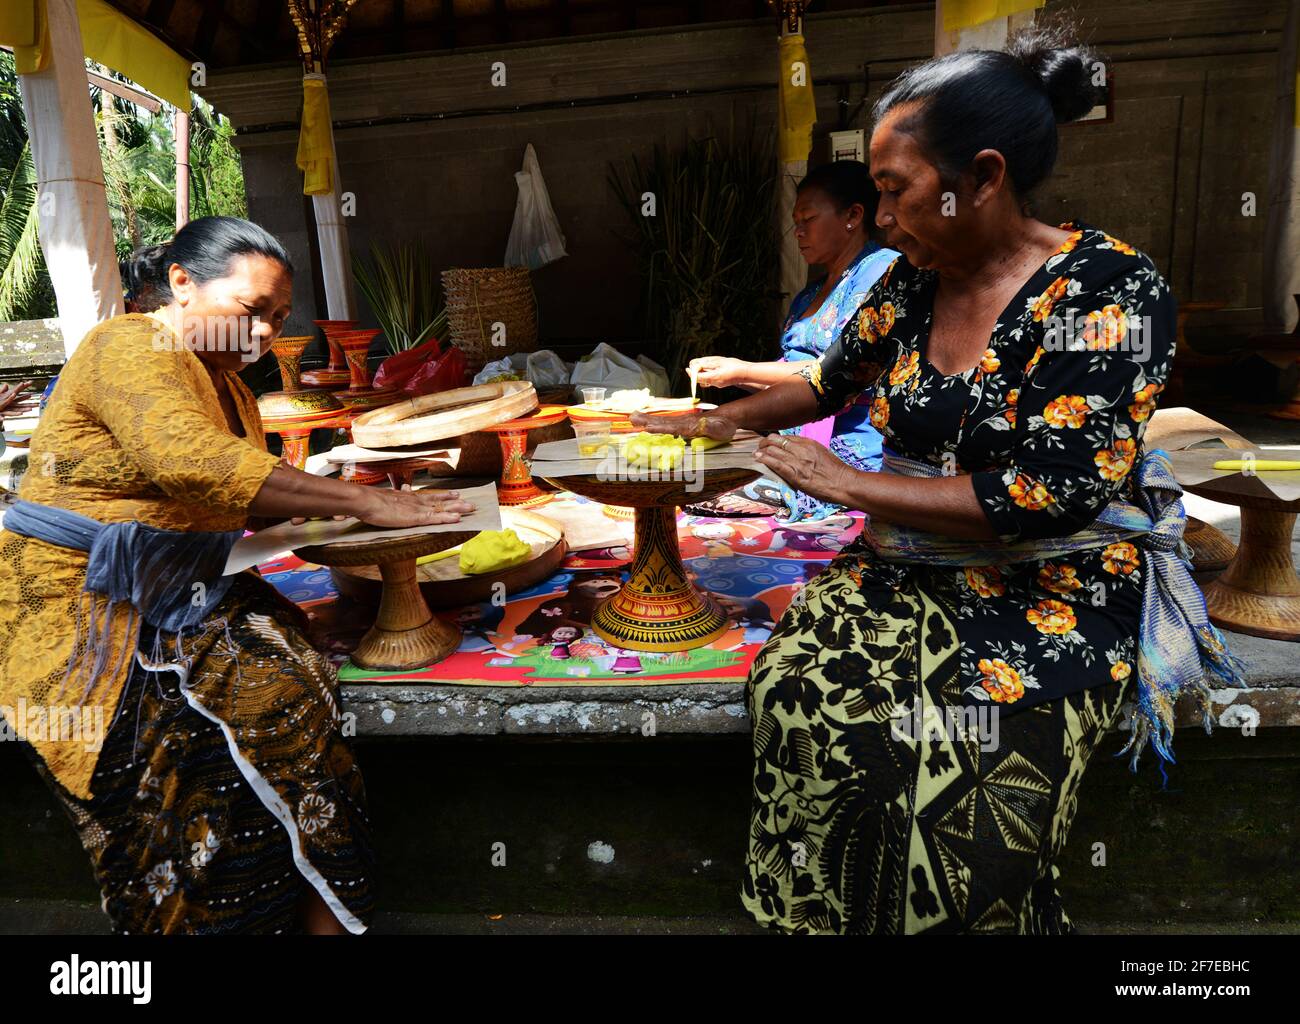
139,157
25,292
403,290
709,253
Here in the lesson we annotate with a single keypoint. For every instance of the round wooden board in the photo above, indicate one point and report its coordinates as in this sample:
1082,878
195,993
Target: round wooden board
444,414
445,586
395,549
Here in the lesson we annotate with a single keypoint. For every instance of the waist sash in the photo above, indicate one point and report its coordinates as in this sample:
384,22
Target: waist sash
171,579
1179,650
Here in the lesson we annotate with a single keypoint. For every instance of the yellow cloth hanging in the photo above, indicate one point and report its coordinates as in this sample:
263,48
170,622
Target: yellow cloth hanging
107,36
796,107
315,139
23,26
959,14
114,40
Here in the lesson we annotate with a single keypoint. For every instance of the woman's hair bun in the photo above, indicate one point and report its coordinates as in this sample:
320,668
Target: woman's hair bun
151,261
144,276
1067,71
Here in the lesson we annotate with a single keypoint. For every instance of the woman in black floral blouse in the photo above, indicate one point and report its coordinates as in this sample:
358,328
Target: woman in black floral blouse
1015,365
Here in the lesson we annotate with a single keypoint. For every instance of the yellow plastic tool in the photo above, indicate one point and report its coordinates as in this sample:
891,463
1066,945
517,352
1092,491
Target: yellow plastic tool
1263,465
439,554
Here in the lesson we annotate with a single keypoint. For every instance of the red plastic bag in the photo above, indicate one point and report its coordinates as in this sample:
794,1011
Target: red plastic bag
423,370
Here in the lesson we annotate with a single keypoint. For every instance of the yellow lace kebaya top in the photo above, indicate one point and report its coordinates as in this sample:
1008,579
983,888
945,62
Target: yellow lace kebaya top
133,432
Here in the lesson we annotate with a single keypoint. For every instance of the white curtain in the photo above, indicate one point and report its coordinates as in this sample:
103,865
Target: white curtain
75,230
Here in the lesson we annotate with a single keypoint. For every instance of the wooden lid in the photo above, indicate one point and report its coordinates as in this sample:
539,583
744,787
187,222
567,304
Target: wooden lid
444,414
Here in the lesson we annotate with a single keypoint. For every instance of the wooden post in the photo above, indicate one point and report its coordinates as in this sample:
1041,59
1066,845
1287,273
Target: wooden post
1282,229
72,204
181,131
332,236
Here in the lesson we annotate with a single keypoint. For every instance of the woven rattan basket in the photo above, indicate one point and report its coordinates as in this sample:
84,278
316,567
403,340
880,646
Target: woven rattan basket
481,297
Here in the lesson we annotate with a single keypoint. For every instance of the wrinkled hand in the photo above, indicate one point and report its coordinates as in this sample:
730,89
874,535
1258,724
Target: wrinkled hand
718,371
690,424
414,508
808,466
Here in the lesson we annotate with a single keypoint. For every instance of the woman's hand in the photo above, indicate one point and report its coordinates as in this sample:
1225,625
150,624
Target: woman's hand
809,466
414,508
719,371
691,424
9,393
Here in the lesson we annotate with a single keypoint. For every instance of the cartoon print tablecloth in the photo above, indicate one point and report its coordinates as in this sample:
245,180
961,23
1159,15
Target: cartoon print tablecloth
541,636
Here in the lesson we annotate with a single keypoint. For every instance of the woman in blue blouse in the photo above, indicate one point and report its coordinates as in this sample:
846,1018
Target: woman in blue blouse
835,208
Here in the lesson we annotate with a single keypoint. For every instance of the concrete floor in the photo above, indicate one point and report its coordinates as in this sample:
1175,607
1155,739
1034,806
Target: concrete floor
64,917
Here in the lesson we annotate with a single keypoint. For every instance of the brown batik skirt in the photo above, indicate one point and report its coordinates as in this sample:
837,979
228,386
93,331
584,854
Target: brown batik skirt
225,788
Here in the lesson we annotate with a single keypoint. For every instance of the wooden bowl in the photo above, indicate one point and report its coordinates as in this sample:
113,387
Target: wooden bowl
445,586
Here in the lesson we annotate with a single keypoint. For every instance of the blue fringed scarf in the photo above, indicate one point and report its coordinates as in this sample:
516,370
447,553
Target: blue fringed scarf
171,579
1178,648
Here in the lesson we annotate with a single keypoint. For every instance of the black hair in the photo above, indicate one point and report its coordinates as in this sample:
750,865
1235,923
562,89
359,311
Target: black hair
205,248
1010,101
139,277
844,182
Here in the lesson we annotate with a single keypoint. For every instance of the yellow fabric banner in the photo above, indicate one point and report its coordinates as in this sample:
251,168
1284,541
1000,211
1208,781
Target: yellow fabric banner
113,39
796,107
959,14
23,26
315,139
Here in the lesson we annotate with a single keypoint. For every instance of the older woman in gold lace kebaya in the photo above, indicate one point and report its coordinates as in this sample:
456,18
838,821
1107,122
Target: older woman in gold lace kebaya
224,796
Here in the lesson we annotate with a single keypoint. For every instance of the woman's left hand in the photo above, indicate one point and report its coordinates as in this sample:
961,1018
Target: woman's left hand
808,466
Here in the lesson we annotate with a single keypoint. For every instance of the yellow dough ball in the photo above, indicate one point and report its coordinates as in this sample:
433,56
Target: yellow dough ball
491,551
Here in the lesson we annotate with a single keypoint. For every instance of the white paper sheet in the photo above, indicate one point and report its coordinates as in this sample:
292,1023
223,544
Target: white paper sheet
562,458
285,537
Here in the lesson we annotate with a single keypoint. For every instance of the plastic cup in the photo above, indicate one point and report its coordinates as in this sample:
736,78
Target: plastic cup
592,437
590,396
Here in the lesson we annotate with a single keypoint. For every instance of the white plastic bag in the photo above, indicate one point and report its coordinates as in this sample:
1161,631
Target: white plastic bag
497,368
535,236
546,370
656,377
607,367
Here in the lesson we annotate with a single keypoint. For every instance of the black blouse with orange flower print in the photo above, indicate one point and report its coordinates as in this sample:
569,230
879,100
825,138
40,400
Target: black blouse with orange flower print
1048,425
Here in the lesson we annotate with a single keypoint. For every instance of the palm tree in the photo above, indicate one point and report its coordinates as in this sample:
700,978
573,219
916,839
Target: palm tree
138,156
25,291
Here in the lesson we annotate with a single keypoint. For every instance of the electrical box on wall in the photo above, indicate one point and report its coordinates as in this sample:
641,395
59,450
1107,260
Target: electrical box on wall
850,145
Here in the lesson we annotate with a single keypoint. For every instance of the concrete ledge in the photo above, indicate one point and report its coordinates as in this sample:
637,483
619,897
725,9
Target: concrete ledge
406,709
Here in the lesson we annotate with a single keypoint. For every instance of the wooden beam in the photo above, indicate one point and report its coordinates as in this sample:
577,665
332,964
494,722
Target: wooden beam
266,20
501,21
128,93
205,35
159,12
448,20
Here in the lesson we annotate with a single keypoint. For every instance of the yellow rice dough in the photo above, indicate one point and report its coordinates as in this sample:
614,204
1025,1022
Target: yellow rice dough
491,551
662,451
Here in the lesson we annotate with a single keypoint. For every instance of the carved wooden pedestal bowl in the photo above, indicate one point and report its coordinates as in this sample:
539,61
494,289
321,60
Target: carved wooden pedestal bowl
1259,592
406,635
658,609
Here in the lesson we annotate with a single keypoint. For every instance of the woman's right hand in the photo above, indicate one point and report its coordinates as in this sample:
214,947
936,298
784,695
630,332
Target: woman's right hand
413,508
719,371
691,424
